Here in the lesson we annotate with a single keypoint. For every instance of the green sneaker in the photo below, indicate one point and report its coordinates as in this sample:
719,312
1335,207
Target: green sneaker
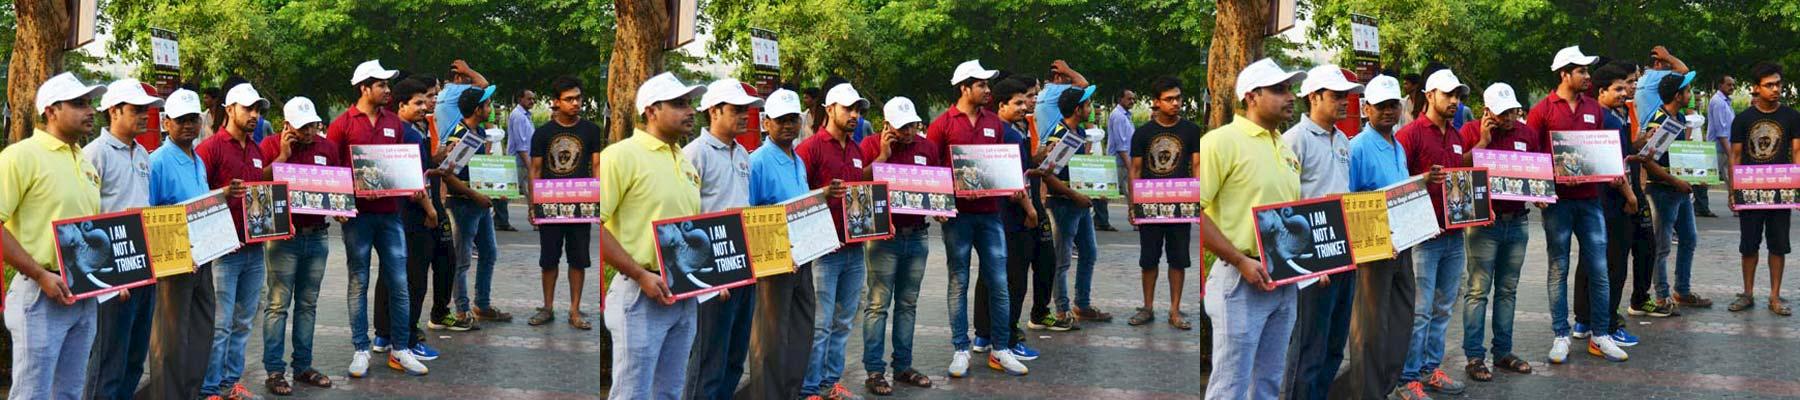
441,323
1041,323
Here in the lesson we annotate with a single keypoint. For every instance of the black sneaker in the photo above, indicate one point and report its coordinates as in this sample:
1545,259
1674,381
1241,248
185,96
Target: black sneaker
462,323
1064,323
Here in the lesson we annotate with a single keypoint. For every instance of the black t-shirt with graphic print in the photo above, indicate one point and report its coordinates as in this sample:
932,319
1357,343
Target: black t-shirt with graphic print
568,151
1168,151
1767,137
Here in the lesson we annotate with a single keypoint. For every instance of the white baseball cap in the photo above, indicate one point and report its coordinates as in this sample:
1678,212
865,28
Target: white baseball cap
1499,98
1327,77
1263,73
727,91
181,103
127,91
1570,55
900,112
844,95
664,87
300,112
1382,88
244,95
971,70
371,70
64,87
780,103
1444,81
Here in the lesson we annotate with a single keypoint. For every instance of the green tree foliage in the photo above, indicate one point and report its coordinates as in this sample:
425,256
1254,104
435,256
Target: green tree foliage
309,47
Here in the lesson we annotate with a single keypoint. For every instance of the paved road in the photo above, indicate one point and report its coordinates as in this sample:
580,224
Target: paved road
1702,354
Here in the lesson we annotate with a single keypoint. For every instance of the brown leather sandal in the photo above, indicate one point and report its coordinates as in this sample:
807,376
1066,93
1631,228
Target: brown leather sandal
878,384
278,384
913,377
314,378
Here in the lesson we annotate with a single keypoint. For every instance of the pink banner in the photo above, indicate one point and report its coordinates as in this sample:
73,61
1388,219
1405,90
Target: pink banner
318,189
1165,201
1518,175
565,201
918,189
1765,187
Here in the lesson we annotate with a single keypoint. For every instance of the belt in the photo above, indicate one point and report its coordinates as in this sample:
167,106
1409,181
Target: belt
312,229
1511,215
916,229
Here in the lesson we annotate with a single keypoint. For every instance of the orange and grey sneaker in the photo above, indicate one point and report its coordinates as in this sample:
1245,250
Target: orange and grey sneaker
1441,382
839,392
239,392
1409,391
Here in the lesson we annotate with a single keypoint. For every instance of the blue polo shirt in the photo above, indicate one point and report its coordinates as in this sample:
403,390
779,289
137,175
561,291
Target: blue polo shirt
1047,110
775,176
1647,98
175,176
1375,162
446,109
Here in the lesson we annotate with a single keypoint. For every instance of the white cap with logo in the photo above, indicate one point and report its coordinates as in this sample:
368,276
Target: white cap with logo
844,95
899,112
781,103
727,91
370,70
971,70
181,103
128,91
64,87
1499,98
300,112
1445,82
1570,55
1263,73
244,95
664,87
1381,89
1327,77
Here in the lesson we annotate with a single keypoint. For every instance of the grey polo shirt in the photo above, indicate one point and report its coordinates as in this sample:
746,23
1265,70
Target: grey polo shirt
724,172
1324,158
124,169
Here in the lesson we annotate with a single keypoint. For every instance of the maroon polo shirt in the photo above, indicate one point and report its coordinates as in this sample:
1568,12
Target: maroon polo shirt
827,158
227,158
921,152
1427,145
353,128
321,152
953,128
1554,114
1520,138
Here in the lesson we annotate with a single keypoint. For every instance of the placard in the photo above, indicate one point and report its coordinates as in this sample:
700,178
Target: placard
1304,239
1694,162
1466,201
1370,237
1165,201
918,189
460,154
866,215
766,228
1587,156
703,254
102,254
1061,152
1659,141
1518,175
1765,187
1411,219
809,227
494,176
318,189
565,201
383,170
983,170
210,230
266,214
1094,176
166,229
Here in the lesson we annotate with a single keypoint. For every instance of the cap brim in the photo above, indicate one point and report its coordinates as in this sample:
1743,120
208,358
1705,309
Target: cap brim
173,114
1688,79
1088,93
304,120
488,93
1503,107
1379,100
774,113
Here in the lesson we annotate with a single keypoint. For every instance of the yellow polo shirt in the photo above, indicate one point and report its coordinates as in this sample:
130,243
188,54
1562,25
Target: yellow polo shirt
643,179
44,179
1243,166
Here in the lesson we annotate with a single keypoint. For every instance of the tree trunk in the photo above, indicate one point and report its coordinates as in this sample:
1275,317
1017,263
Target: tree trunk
43,29
637,55
1238,32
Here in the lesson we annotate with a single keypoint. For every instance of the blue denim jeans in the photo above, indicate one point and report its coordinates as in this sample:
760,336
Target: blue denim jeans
121,342
651,342
1438,268
237,286
1074,236
381,234
838,282
980,233
1496,254
896,269
50,342
474,239
1251,329
296,269
1675,231
1582,219
1321,328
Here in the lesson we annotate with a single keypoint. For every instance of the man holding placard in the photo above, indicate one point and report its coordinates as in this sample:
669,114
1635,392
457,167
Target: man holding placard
1675,211
1030,246
781,336
1384,289
1766,133
723,334
1074,224
1628,221
565,147
1246,165
122,329
473,246
232,158
1432,145
1577,211
1322,323
832,158
896,266
296,266
429,250
184,302
1496,251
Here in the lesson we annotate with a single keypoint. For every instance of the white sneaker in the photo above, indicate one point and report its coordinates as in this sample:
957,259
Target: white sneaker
359,364
1003,360
402,359
1559,350
959,364
1603,346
